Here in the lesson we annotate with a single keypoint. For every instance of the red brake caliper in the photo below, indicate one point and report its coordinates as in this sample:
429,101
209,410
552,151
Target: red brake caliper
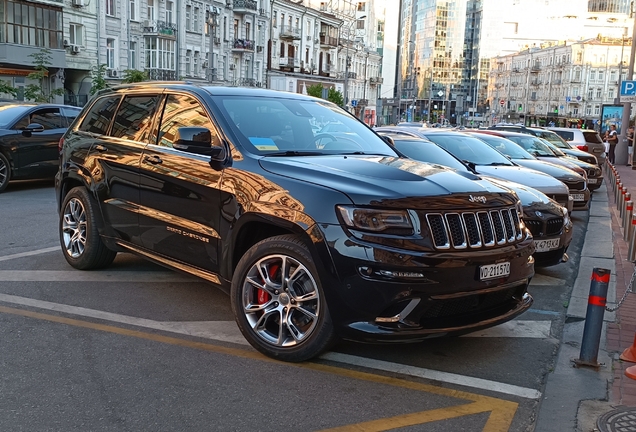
263,296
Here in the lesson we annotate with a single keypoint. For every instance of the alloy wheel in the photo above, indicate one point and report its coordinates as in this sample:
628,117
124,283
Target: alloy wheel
281,300
74,228
4,171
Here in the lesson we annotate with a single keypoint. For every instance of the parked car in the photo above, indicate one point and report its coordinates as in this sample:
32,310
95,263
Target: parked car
548,221
29,136
539,149
487,161
587,140
553,138
311,241
593,172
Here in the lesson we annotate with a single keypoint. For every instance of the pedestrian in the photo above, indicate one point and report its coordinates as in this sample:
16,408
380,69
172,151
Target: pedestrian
612,140
630,146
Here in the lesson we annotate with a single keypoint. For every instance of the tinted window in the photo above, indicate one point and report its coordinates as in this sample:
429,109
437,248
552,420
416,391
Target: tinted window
134,117
98,118
70,114
50,118
592,137
553,139
10,113
505,146
183,111
427,152
469,149
532,145
568,136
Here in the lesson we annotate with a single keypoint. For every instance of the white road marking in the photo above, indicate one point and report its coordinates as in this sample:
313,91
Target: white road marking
446,377
225,331
93,276
30,253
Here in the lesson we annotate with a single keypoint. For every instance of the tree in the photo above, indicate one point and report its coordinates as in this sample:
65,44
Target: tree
315,90
134,75
35,92
98,82
6,88
335,96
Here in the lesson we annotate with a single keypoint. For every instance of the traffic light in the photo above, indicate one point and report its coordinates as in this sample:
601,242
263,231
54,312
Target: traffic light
556,110
520,108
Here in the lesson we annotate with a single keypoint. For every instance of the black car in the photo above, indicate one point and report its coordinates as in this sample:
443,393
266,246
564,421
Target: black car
313,236
548,221
29,137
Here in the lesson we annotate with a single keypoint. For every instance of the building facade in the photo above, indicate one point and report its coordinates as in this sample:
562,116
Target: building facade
566,84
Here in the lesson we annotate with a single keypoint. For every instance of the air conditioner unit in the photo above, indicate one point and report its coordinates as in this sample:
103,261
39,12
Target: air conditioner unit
309,38
228,3
232,66
146,23
259,49
78,3
205,64
75,49
66,44
217,40
112,73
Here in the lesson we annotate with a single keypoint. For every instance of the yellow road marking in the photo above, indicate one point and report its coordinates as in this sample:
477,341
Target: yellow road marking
501,411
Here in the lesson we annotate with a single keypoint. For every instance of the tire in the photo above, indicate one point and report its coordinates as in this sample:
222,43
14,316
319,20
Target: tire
5,172
81,244
288,322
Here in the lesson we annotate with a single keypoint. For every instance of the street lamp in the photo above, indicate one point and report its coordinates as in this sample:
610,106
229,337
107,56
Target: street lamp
348,61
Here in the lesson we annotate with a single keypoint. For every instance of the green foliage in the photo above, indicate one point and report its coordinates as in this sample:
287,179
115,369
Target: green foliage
134,75
35,92
98,82
6,88
315,90
335,96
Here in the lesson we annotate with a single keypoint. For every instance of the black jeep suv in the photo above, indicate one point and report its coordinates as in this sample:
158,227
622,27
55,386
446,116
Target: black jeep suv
314,235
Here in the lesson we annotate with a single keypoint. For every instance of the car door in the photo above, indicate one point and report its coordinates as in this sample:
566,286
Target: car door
37,151
114,160
180,197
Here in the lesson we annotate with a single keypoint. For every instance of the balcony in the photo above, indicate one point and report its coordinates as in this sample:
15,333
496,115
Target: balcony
535,82
248,82
376,80
351,75
245,6
514,84
243,45
160,28
288,62
328,41
161,74
327,69
288,32
535,68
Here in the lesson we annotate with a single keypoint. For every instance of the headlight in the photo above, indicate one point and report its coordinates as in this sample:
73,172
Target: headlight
566,216
380,221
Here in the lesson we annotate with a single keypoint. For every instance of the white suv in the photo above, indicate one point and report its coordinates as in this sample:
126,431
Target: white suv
584,139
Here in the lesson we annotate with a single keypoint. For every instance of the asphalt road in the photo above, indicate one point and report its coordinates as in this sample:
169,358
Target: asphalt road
138,347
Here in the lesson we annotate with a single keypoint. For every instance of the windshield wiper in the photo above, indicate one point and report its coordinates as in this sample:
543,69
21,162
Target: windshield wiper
295,153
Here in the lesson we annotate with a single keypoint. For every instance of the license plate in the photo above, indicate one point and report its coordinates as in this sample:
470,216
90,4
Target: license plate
591,181
546,245
578,197
492,271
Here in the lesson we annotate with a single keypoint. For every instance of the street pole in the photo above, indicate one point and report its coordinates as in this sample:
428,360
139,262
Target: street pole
621,147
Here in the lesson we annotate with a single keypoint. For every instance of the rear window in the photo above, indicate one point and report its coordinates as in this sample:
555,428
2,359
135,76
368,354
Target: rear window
568,136
100,115
592,137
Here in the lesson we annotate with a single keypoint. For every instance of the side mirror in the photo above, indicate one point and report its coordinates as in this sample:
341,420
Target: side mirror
198,140
389,140
33,127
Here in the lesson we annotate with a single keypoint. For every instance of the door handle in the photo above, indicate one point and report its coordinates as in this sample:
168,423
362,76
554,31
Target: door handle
153,160
100,148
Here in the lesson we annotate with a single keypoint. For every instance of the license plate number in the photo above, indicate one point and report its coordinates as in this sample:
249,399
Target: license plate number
591,181
578,197
492,271
546,245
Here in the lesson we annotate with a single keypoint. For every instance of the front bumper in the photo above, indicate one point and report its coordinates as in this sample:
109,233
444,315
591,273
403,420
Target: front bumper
392,295
594,183
581,204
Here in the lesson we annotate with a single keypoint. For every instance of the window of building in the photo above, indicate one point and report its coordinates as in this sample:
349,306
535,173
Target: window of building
323,6
151,10
160,53
195,63
248,30
599,93
274,19
601,75
597,110
282,20
236,29
188,14
610,92
110,53
110,7
134,118
575,91
31,24
575,111
76,34
132,61
592,75
308,28
590,93
195,20
282,49
169,12
297,23
588,110
188,63
225,28
134,10
360,24
362,6
613,75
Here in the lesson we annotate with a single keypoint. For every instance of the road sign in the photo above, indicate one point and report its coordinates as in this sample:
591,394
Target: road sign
502,102
354,102
628,91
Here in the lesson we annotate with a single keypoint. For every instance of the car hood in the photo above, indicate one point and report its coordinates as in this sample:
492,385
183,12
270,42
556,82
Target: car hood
559,172
365,178
527,177
531,199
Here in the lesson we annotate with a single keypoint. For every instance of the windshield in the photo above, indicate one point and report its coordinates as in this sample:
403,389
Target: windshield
10,113
554,148
532,145
553,139
425,151
592,137
505,146
469,149
281,127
